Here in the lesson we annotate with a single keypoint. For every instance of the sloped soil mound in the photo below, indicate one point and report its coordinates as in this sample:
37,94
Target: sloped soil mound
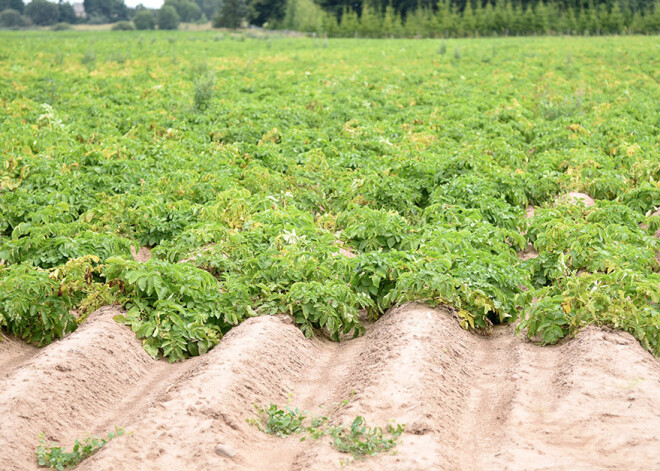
468,402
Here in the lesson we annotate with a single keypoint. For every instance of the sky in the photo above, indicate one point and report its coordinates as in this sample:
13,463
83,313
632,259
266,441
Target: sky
146,3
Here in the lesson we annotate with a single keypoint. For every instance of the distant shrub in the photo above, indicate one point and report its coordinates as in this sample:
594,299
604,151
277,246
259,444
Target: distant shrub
11,19
98,20
42,13
61,27
144,19
123,26
168,18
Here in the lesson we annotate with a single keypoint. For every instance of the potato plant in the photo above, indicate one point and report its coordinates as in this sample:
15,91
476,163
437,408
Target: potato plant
288,177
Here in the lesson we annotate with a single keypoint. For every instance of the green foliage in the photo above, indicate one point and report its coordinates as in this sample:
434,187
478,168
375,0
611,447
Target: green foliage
303,15
31,305
55,457
622,299
11,19
204,90
231,14
64,26
358,439
362,441
16,5
188,11
144,19
173,308
167,18
280,422
42,12
123,26
292,186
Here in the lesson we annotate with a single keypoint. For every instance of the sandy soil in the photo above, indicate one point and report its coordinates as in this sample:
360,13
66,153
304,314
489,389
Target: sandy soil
576,198
468,402
142,255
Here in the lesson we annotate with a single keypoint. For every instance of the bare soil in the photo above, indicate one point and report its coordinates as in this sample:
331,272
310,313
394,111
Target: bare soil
468,402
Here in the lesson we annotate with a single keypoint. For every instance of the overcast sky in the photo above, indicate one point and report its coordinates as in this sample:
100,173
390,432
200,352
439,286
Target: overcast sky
146,3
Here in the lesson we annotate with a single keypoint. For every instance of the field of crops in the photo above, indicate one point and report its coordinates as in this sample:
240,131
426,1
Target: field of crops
245,164
201,179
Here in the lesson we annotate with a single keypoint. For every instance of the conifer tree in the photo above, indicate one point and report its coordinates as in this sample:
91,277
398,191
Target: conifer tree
508,17
499,17
517,21
615,19
479,18
571,23
443,17
330,25
489,19
540,18
529,21
468,24
414,24
349,24
370,22
392,22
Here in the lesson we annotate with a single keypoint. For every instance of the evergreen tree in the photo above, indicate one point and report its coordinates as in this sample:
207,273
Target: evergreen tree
517,20
489,19
541,18
508,17
443,18
479,19
371,24
500,21
652,19
529,21
231,15
330,25
392,22
556,20
593,23
615,19
468,23
260,11
452,21
65,12
571,23
417,23
349,24
637,23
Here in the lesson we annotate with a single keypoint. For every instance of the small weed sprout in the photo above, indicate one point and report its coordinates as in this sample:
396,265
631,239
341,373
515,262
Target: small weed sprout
442,49
55,457
457,53
358,439
280,422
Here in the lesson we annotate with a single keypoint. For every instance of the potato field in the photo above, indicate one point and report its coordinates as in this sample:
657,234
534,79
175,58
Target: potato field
415,213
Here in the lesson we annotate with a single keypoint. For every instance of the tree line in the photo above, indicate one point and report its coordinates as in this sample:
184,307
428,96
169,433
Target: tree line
362,18
447,18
